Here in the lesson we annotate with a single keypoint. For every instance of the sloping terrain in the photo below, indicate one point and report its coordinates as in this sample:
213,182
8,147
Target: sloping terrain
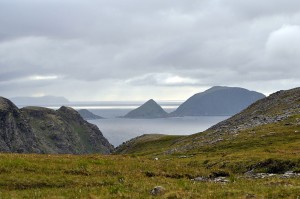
147,144
42,130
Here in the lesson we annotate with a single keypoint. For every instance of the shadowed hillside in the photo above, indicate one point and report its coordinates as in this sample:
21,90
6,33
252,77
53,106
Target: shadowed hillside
43,130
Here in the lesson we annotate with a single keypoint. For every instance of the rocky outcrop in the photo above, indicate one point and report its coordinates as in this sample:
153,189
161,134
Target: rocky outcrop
16,135
88,115
150,109
217,100
43,130
274,108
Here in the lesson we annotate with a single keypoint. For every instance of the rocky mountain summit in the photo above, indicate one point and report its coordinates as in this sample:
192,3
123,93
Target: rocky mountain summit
149,109
43,130
218,100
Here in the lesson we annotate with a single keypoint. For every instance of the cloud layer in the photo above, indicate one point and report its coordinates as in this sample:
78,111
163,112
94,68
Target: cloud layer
135,50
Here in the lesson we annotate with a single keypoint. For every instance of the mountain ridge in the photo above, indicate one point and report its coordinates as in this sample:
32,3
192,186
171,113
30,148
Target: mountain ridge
41,130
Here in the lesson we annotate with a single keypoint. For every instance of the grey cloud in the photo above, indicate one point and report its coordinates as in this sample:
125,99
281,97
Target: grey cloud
133,44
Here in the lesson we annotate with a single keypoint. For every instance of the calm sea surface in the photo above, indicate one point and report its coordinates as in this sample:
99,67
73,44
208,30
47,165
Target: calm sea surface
118,130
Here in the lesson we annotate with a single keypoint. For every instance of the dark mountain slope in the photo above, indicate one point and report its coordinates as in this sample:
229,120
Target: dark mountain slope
15,133
217,101
149,109
43,130
88,115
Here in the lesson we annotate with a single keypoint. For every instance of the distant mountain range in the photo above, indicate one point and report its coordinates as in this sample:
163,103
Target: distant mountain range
269,122
43,130
88,115
216,101
37,101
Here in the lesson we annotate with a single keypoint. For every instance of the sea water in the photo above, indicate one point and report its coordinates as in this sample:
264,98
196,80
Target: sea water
118,130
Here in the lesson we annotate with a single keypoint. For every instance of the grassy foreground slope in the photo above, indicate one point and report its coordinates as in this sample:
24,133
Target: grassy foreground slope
125,176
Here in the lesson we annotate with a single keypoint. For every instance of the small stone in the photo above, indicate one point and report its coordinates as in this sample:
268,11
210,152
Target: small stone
183,156
250,195
200,179
221,180
158,190
156,159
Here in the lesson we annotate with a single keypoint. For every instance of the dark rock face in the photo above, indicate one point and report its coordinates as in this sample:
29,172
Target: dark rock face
150,109
217,101
15,133
87,115
42,130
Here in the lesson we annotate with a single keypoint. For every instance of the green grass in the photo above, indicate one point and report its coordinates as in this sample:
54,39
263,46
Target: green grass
116,176
268,148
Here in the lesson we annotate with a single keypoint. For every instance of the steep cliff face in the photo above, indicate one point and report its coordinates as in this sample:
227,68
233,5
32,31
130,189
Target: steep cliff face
15,133
42,130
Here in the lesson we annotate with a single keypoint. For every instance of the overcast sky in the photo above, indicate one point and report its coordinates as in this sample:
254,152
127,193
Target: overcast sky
141,49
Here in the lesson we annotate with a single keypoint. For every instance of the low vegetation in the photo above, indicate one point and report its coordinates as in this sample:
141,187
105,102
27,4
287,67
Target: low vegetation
272,148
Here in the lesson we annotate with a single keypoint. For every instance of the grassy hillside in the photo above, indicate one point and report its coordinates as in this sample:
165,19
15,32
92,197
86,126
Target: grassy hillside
95,176
271,148
148,144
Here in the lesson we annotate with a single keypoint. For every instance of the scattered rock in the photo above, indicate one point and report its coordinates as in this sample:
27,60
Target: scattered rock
158,190
201,179
250,195
290,174
217,179
221,180
183,156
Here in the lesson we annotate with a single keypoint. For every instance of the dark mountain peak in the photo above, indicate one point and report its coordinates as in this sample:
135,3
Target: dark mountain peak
70,114
149,109
88,115
7,105
150,101
218,100
42,130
